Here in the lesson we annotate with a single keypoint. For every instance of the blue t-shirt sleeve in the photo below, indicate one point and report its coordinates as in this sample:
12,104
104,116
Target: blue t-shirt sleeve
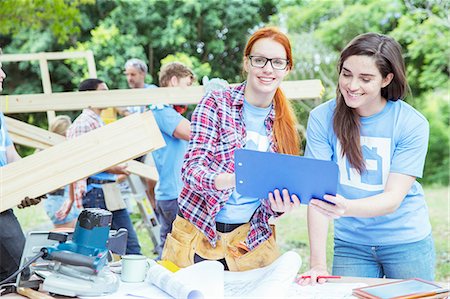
167,119
4,132
411,148
318,143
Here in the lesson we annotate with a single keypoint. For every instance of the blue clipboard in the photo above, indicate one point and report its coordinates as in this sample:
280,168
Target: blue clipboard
258,173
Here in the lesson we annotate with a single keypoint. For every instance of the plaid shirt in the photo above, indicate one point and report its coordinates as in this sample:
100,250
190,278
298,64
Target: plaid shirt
85,122
217,129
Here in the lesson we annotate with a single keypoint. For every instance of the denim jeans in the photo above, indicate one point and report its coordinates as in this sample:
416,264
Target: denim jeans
120,218
166,212
402,261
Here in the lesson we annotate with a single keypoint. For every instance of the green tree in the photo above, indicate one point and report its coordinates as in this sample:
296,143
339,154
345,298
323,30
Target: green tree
214,31
320,29
62,17
199,69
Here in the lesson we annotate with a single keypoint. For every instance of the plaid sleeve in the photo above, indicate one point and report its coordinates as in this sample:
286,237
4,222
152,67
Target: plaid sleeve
79,128
196,170
259,225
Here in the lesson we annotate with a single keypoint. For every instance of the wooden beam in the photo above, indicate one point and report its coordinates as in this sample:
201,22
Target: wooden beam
22,140
43,58
78,158
143,170
45,55
91,64
67,101
27,131
46,84
35,137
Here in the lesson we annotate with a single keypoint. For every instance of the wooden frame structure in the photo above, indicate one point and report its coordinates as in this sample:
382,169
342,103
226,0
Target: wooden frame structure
43,59
66,101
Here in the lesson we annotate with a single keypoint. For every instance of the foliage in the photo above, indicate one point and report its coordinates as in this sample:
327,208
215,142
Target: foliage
427,62
199,69
111,49
214,31
435,105
61,16
323,28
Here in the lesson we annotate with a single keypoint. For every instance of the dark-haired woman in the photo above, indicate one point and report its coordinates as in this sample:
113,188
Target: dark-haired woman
379,142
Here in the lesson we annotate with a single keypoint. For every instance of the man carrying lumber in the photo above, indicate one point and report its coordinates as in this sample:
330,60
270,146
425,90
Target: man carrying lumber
12,239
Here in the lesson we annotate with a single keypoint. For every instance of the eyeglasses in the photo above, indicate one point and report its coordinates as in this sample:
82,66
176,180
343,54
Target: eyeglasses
276,63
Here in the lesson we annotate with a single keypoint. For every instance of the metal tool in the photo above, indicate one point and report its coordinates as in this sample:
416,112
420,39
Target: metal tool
78,267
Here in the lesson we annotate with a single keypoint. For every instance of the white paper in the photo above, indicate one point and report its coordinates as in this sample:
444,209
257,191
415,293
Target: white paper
206,276
272,281
169,283
326,290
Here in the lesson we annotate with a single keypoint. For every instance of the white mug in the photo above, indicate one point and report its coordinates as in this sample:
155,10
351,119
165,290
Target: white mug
134,268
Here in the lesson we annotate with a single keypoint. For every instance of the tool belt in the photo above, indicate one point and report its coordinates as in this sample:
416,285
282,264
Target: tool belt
99,182
186,240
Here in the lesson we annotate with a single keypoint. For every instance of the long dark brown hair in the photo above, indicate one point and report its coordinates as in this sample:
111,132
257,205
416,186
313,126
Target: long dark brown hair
284,127
387,54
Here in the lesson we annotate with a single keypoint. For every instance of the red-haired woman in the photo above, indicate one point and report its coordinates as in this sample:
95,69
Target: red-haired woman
214,221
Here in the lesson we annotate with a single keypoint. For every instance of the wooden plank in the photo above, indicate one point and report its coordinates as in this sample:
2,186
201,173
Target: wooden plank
22,140
67,101
46,55
24,130
91,64
46,84
143,170
35,137
77,158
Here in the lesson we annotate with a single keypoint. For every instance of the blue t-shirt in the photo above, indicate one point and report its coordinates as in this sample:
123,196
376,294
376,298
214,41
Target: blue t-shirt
238,208
395,140
5,141
169,159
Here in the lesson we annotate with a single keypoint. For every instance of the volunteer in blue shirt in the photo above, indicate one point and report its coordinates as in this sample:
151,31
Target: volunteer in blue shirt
169,159
379,142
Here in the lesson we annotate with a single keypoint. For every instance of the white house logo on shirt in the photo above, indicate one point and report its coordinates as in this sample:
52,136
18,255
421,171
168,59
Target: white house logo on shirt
377,157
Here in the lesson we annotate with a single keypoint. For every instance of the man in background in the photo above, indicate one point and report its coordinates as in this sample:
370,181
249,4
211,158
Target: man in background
169,159
136,71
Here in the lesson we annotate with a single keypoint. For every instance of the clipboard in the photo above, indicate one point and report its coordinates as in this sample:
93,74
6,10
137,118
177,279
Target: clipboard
258,173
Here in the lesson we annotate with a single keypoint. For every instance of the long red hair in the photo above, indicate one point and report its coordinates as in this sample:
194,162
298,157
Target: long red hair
284,128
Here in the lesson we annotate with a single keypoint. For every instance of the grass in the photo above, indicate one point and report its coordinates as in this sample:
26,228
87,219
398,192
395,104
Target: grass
292,231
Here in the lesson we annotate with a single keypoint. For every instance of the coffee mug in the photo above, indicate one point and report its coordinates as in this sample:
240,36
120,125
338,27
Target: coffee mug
134,268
